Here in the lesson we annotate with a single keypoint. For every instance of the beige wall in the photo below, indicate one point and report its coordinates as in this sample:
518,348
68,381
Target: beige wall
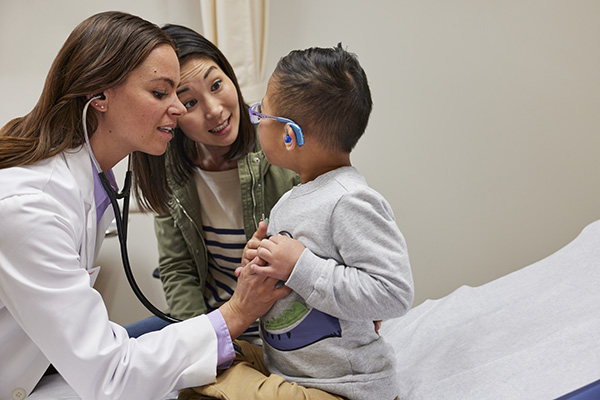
484,135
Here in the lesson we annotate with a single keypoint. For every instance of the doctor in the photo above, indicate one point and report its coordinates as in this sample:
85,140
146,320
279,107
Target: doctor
53,212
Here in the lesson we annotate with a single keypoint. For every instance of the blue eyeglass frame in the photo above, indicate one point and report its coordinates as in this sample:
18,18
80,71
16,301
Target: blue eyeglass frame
256,116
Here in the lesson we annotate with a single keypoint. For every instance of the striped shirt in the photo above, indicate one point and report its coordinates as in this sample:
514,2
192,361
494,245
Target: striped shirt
220,195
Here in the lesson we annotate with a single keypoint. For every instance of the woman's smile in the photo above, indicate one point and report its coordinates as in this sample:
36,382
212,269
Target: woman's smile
222,129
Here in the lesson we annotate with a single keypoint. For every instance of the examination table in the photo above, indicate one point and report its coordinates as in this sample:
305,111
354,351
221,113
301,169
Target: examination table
532,334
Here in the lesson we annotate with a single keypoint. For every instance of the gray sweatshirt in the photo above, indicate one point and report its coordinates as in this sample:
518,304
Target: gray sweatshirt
354,270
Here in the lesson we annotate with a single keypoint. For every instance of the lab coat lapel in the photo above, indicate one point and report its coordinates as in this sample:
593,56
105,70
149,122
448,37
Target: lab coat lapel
79,164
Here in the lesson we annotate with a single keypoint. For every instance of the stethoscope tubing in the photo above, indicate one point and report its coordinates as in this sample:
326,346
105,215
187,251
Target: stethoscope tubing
121,219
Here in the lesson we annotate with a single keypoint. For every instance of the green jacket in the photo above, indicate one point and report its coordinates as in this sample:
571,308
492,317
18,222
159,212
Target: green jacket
183,259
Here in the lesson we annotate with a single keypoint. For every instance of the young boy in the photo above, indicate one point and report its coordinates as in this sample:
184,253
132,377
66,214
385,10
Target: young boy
332,240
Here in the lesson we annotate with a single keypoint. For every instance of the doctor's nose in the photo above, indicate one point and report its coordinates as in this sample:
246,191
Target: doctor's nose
177,109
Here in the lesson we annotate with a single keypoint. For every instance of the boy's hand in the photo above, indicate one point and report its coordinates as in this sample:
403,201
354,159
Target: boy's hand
280,254
256,261
249,252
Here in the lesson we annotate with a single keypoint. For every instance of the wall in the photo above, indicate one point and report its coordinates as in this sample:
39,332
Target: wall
485,130
484,135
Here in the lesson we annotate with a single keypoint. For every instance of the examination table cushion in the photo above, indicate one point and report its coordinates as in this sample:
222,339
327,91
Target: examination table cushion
532,334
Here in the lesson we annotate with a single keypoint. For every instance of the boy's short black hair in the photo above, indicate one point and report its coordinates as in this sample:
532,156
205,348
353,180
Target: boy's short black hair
326,92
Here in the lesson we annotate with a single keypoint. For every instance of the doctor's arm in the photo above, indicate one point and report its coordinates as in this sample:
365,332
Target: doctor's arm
45,287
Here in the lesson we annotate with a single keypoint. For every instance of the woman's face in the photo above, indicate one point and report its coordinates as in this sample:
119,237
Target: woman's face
140,114
211,100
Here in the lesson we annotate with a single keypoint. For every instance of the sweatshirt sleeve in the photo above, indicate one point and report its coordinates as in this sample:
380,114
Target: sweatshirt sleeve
371,278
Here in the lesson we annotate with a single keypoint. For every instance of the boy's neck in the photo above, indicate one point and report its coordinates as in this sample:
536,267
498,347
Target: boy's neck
315,164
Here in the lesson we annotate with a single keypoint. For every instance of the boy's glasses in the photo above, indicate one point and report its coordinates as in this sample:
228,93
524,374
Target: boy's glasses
256,115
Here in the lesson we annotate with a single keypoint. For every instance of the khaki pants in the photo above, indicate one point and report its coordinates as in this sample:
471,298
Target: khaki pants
248,379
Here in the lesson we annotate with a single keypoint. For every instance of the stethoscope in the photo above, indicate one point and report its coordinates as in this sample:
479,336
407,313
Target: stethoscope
121,220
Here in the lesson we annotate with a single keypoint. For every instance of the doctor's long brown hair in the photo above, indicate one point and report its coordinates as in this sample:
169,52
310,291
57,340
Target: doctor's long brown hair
99,54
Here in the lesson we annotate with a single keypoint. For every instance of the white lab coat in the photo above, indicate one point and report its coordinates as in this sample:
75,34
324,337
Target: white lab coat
50,313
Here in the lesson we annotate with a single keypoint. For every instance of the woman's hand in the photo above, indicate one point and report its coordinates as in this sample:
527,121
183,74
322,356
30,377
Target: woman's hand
254,295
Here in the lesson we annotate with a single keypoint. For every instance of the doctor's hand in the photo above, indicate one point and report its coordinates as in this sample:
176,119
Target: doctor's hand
254,295
280,253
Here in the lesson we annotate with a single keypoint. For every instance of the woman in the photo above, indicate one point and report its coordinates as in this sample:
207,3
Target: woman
216,183
53,213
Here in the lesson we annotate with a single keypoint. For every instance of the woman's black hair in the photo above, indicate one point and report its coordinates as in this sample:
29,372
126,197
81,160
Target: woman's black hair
177,164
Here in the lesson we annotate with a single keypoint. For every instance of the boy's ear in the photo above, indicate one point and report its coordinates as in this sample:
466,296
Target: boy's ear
297,133
289,138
